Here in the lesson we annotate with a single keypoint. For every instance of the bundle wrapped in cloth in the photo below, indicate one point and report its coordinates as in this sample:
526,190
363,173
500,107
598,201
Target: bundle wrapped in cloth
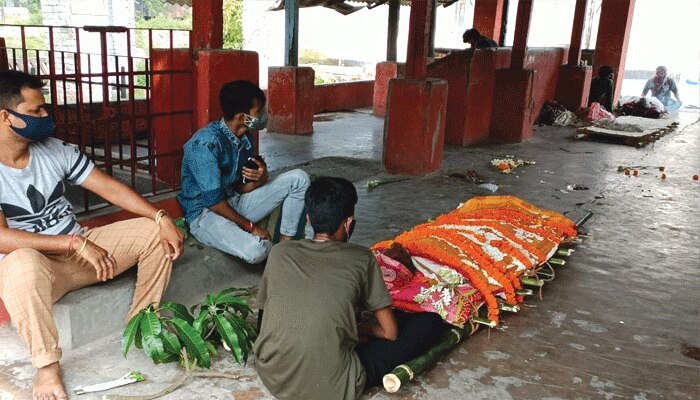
479,254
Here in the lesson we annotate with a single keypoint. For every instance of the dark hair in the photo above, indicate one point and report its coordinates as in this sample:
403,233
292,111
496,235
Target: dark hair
472,33
11,84
328,201
237,97
605,70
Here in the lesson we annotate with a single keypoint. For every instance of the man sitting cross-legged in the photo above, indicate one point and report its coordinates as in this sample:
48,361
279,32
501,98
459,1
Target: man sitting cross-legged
44,252
308,346
225,190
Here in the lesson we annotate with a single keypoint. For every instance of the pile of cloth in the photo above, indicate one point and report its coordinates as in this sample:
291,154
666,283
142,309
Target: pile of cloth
647,107
481,254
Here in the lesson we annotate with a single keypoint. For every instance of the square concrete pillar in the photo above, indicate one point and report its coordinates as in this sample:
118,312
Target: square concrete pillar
414,128
573,86
384,72
172,102
214,68
615,25
512,115
290,100
488,18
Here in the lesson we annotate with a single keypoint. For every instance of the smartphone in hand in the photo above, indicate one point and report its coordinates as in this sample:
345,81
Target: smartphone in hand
250,164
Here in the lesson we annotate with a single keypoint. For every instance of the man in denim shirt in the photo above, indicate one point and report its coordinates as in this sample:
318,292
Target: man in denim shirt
222,199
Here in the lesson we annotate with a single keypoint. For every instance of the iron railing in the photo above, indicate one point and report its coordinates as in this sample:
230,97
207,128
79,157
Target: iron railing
99,91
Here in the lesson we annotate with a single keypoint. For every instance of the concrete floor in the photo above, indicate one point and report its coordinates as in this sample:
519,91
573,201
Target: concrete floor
621,319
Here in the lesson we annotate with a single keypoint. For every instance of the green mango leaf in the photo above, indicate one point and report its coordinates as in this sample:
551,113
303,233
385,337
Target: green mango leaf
178,310
192,341
150,325
200,324
243,310
230,336
171,342
130,332
211,300
167,358
138,340
243,336
212,349
231,300
252,332
153,346
243,292
246,333
239,329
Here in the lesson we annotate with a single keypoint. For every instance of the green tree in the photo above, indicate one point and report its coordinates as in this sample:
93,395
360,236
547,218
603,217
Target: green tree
147,9
233,24
35,17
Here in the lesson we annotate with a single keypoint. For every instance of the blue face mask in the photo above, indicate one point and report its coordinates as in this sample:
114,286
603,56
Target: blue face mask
256,123
37,129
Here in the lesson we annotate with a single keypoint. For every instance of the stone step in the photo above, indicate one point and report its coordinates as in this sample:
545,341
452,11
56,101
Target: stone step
94,312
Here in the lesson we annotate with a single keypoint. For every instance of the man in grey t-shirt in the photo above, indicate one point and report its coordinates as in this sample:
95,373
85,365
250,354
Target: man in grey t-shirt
308,346
44,252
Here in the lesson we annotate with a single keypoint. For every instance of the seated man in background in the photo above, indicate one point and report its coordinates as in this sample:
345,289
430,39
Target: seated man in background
477,40
225,189
310,290
602,88
44,252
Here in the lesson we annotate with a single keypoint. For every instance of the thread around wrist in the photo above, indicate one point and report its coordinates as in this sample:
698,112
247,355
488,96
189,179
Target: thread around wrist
82,247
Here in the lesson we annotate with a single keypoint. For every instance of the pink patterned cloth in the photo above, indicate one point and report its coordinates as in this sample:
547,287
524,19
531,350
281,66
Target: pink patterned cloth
420,293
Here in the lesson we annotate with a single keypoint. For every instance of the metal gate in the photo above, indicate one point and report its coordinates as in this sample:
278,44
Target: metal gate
99,91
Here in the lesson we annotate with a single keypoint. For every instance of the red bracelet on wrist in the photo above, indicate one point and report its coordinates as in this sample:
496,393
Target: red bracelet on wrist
249,227
72,240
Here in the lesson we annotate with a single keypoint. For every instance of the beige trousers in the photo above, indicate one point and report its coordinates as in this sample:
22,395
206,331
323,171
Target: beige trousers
31,282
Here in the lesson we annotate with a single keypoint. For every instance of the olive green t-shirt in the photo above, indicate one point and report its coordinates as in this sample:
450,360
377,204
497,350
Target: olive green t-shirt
309,292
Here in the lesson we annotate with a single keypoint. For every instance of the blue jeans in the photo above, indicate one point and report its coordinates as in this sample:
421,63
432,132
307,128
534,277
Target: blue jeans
223,234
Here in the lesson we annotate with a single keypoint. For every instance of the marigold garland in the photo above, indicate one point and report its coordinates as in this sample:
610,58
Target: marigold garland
480,258
523,234
476,279
498,229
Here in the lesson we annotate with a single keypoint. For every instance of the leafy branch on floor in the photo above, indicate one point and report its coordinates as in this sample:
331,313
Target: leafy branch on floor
163,333
189,372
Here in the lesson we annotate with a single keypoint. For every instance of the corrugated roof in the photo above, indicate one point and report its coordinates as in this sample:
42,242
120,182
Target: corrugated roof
340,6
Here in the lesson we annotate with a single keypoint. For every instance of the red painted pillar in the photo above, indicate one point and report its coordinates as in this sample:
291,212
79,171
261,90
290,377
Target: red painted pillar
171,103
414,131
522,30
418,39
577,32
488,18
290,100
214,68
613,38
4,66
208,24
513,105
384,72
574,81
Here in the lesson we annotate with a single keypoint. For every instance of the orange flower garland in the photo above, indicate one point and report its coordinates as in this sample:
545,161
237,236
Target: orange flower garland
476,279
457,240
497,228
481,259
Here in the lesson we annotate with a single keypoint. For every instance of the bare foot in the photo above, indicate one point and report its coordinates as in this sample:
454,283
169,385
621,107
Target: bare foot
48,384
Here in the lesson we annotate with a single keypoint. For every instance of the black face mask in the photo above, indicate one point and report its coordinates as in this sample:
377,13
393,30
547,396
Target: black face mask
348,231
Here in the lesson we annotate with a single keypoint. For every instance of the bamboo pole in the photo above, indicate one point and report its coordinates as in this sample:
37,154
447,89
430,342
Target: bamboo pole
404,373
